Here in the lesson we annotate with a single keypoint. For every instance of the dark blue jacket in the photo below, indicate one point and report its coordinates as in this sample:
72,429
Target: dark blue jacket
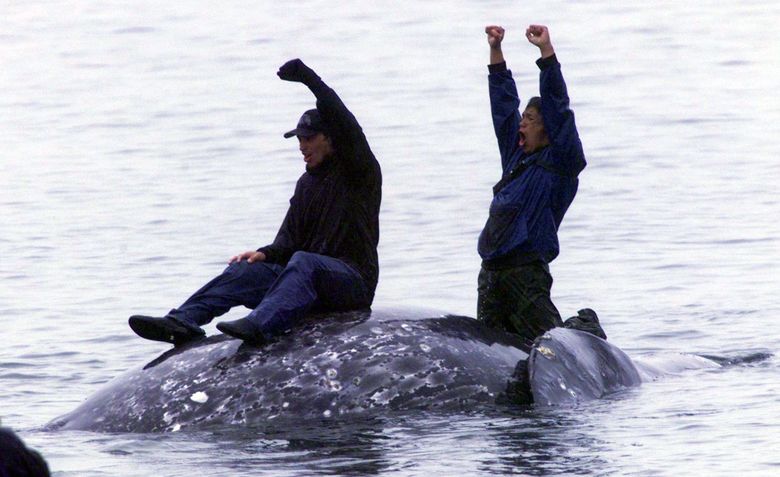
335,208
536,189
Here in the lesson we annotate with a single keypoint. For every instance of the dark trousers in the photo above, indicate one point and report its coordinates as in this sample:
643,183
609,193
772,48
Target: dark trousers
517,299
279,296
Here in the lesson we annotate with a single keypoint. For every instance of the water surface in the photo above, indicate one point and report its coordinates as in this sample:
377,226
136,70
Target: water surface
142,147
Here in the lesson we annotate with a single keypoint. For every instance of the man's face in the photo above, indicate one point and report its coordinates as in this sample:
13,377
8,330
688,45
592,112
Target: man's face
315,149
532,134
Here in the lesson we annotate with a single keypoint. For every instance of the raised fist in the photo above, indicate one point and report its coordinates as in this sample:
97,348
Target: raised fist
538,35
296,70
495,35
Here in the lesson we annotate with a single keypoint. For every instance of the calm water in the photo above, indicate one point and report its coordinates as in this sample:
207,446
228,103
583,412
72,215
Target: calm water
141,147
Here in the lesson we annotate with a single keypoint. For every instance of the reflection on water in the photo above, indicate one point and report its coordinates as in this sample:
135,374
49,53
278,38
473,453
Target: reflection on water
545,445
516,442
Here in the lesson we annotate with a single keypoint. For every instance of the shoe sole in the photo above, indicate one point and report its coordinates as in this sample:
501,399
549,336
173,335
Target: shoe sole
254,341
153,331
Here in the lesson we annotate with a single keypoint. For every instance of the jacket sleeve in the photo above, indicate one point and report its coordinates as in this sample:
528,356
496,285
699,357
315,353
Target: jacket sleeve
504,104
284,245
559,118
348,139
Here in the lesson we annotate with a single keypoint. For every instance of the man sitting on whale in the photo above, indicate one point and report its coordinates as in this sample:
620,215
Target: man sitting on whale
324,256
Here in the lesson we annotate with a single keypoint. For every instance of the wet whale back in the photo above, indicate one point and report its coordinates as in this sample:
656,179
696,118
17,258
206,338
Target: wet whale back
568,365
338,364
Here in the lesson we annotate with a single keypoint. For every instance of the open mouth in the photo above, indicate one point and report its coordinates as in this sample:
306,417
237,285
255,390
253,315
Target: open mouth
306,157
521,140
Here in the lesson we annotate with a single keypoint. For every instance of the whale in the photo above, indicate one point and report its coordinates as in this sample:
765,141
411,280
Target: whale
566,366
354,363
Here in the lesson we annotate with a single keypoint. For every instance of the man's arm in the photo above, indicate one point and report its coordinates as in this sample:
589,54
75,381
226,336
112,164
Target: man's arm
283,245
558,116
345,131
504,100
539,35
495,35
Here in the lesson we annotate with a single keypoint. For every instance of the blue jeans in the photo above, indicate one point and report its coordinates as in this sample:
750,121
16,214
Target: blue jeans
279,296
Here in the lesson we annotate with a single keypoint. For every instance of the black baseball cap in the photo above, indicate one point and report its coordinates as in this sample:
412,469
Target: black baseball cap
309,125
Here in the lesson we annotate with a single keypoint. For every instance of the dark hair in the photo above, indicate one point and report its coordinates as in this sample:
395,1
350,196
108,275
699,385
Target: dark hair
535,102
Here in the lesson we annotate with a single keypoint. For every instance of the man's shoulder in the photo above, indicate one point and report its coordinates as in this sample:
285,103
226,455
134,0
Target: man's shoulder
370,170
559,164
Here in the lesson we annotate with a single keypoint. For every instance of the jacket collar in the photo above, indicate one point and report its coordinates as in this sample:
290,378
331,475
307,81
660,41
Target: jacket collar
323,168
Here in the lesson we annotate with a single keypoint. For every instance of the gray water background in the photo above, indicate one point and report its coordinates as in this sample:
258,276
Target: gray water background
141,147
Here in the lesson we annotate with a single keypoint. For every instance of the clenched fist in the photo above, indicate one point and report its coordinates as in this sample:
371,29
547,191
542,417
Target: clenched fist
296,70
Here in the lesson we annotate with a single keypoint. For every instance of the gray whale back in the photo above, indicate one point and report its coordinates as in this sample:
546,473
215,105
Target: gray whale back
337,364
569,366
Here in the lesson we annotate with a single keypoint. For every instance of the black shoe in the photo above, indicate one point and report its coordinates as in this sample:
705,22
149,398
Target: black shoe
242,329
586,320
163,329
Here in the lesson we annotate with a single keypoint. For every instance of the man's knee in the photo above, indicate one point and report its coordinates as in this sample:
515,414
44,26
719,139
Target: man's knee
251,273
244,266
302,258
306,262
236,267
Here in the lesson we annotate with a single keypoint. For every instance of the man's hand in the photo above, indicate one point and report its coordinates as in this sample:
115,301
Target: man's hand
251,256
495,36
296,70
539,35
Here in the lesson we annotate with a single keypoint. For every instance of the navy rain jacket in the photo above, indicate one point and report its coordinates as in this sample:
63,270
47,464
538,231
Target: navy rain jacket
536,189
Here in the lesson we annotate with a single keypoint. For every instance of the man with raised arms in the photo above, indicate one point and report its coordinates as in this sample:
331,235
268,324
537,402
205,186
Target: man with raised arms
541,156
325,254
